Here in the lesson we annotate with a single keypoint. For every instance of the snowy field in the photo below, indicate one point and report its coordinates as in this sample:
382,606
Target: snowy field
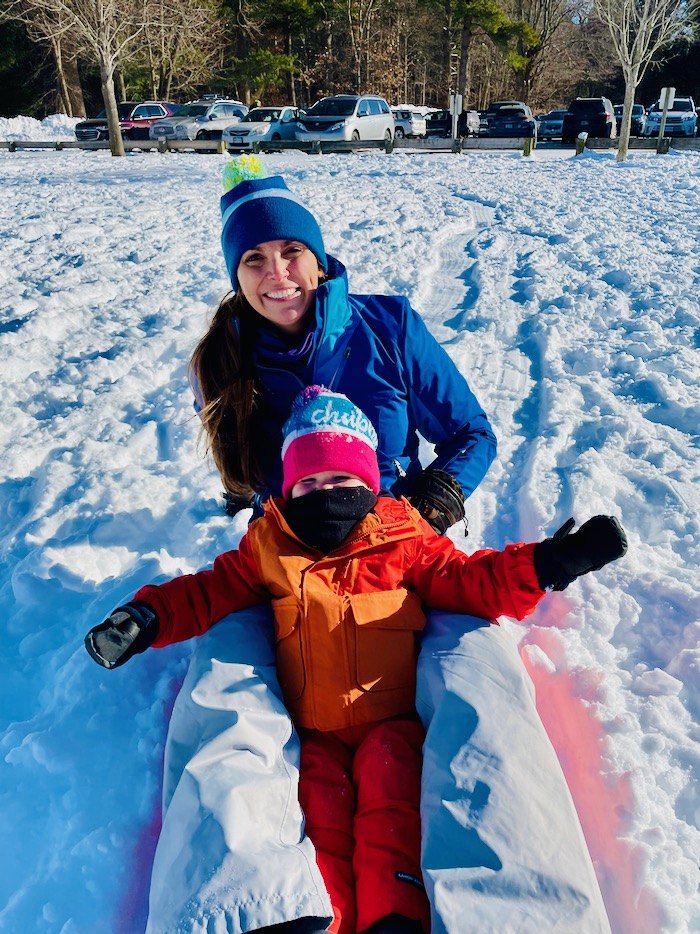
566,289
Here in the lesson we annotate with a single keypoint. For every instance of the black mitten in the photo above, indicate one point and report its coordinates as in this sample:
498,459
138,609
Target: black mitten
130,629
559,560
436,495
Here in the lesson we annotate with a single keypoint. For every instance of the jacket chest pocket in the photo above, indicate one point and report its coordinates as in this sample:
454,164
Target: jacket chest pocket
290,661
386,624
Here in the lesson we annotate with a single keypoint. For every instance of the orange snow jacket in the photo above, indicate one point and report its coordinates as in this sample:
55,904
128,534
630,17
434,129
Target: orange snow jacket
346,622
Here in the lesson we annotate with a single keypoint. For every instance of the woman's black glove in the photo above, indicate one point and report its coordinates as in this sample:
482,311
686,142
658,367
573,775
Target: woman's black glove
559,560
234,502
129,629
436,495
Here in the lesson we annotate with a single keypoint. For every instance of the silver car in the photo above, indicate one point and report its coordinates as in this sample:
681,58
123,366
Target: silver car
204,119
261,124
408,122
347,117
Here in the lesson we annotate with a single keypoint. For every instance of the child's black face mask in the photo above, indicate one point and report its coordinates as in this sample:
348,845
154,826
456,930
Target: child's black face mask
324,518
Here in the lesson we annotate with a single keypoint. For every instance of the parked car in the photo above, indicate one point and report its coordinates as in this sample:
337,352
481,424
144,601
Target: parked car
203,119
491,111
347,117
549,125
261,124
408,122
637,122
135,119
515,120
593,115
681,118
438,123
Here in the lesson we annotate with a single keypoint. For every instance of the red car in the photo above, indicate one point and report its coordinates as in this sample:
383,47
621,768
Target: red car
134,119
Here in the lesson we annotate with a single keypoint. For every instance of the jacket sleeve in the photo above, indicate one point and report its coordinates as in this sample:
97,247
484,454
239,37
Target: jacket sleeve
446,411
488,583
190,605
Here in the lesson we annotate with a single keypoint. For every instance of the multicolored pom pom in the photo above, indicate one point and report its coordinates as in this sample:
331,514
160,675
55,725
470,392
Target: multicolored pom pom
243,168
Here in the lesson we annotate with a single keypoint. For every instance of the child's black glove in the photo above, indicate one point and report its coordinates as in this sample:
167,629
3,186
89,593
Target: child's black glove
559,560
129,629
436,495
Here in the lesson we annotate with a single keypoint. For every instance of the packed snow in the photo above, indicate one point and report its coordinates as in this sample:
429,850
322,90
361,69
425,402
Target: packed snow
566,289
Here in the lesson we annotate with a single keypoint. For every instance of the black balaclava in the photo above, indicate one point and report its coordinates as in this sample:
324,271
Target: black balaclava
324,518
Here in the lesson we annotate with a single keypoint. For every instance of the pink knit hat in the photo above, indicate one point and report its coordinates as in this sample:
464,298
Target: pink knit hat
327,432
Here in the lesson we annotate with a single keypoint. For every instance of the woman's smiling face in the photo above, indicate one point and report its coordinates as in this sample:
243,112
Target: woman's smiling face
279,279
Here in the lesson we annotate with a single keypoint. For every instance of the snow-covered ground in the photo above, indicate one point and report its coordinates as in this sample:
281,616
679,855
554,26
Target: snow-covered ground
567,291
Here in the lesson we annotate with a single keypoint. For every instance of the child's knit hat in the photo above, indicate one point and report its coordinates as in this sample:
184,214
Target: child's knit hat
327,432
256,209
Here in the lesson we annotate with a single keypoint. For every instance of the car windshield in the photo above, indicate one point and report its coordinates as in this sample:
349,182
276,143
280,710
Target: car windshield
192,110
122,109
262,115
680,103
333,107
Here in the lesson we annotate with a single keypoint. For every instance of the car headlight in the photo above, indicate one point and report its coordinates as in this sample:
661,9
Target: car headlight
336,126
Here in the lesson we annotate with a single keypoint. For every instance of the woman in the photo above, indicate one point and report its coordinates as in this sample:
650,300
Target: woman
232,850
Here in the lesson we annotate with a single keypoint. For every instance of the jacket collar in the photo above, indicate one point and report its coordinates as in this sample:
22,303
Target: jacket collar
390,520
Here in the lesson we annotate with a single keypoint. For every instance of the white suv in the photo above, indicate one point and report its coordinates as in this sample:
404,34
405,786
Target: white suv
408,122
204,119
681,119
347,117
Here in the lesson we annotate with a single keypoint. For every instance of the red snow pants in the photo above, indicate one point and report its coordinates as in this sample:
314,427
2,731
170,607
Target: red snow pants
360,791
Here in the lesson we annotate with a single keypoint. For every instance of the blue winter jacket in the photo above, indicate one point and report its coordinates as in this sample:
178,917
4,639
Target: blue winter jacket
377,351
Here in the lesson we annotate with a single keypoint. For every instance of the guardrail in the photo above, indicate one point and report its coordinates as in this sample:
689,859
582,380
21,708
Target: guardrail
434,144
661,146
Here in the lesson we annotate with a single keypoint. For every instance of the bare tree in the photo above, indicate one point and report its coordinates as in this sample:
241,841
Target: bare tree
640,29
105,30
180,45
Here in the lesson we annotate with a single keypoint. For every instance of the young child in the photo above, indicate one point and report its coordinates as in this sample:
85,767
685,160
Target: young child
348,572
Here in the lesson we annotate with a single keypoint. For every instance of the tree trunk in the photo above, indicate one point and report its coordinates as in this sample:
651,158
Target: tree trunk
631,76
447,53
61,81
116,143
75,90
292,82
465,45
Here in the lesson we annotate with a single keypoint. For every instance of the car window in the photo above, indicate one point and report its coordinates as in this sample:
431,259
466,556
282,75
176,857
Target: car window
333,107
123,110
586,107
363,109
374,108
191,110
383,107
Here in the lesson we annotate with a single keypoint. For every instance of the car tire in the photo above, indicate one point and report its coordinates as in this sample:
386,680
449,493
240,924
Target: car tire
275,137
387,136
355,136
203,135
399,133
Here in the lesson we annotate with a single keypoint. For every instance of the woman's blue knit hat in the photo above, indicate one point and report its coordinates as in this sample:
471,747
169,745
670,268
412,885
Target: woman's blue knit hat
256,209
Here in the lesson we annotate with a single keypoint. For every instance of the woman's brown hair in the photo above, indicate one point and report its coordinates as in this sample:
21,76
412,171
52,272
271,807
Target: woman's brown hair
221,369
